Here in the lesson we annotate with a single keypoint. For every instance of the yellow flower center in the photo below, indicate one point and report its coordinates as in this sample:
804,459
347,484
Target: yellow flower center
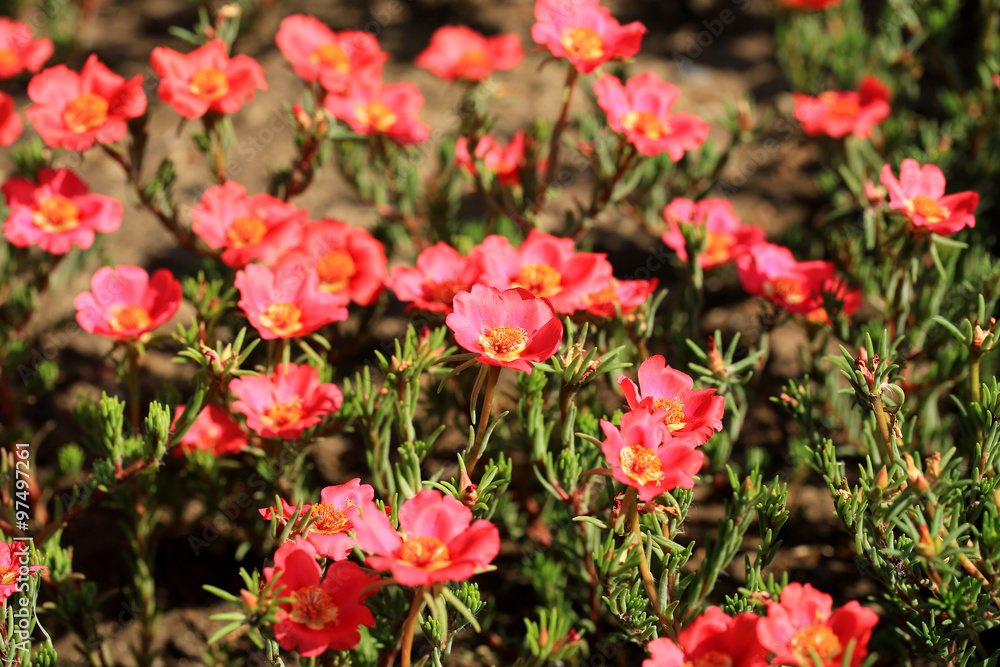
675,412
473,58
331,55
283,318
786,289
607,295
504,343
209,83
313,607
582,42
57,214
717,247
85,112
428,553
8,575
929,209
245,231
819,638
646,124
376,115
329,520
129,318
445,290
280,415
539,279
335,270
711,659
839,106
641,464
8,57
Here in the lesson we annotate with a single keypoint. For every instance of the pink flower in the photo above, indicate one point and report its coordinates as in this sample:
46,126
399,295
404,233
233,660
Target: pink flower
919,193
585,33
19,50
837,113
645,456
248,227
726,237
10,122
326,611
334,59
72,110
503,161
340,507
12,558
544,265
459,52
348,260
286,302
641,110
812,5
213,431
370,107
712,639
56,213
510,328
436,541
287,403
627,295
206,79
802,622
439,275
126,303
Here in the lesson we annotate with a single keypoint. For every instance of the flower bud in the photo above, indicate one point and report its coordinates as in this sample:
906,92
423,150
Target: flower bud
875,194
979,335
468,490
915,477
882,478
715,362
301,117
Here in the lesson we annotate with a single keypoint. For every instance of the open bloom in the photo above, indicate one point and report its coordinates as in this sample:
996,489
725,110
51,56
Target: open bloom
349,261
19,50
919,193
584,33
803,621
12,558
207,78
695,412
546,266
248,227
714,638
623,295
510,328
334,516
641,109
459,52
646,456
287,403
325,611
439,275
503,161
57,212
286,302
370,107
334,59
73,110
726,238
837,113
772,272
11,125
435,542
213,431
126,303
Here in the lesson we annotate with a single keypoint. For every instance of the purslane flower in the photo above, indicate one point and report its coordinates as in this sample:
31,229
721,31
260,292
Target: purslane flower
213,431
11,125
287,403
714,638
206,78
584,33
919,193
503,161
370,107
459,52
320,54
726,237
286,302
439,275
837,113
126,303
20,50
12,560
623,295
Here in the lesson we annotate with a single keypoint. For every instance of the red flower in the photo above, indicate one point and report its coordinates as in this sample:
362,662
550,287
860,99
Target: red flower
439,275
585,33
334,59
286,302
627,295
10,122
56,213
372,108
771,271
837,113
813,5
459,52
207,78
126,303
714,638
287,403
544,265
644,454
436,541
510,328
72,110
919,193
503,161
727,237
689,411
348,260
248,227
325,611
641,110
12,560
213,431
335,515
19,50
802,622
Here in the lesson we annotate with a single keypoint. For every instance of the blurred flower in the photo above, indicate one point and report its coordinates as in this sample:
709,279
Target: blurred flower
503,161
641,110
814,5
73,110
837,113
286,302
19,50
12,560
206,78
627,295
727,237
287,403
510,328
714,638
126,302
334,59
584,33
438,540
213,431
56,212
459,52
919,193
370,107
439,275
10,122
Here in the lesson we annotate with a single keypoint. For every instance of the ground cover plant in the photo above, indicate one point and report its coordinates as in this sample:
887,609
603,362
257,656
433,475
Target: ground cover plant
526,457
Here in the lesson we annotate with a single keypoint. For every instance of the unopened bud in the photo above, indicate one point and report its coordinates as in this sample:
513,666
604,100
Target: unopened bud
715,362
926,546
862,365
468,490
915,477
933,466
882,478
303,119
785,398
996,80
543,637
875,194
249,599
979,334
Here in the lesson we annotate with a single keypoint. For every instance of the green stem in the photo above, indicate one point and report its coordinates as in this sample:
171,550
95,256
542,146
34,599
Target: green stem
631,501
553,156
133,384
484,417
410,625
974,384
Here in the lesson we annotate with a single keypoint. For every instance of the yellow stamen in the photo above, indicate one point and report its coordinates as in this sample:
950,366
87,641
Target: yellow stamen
86,112
504,343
